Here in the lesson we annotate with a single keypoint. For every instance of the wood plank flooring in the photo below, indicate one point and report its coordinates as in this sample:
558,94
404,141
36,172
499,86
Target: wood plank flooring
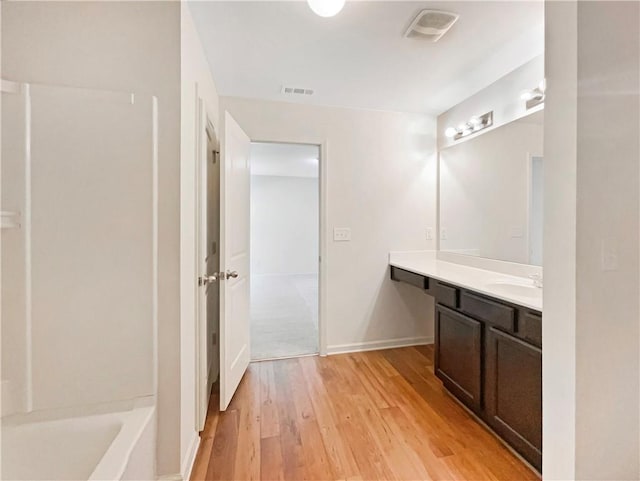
363,416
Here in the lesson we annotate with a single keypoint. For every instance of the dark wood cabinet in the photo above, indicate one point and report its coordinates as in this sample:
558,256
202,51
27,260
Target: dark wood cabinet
446,295
410,278
488,353
513,392
530,327
487,310
459,355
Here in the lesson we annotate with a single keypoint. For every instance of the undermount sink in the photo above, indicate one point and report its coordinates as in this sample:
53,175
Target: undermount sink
515,288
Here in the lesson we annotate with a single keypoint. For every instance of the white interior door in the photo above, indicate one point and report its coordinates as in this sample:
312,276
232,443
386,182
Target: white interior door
207,254
234,320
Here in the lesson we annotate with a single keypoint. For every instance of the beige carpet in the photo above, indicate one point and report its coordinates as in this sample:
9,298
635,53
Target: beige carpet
284,316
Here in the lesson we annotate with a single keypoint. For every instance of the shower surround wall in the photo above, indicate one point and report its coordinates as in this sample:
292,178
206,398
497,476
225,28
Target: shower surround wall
123,47
80,285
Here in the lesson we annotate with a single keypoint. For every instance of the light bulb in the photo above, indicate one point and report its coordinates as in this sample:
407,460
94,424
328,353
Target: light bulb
326,8
450,132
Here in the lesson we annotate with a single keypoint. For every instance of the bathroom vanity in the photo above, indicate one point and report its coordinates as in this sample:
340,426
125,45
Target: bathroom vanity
488,344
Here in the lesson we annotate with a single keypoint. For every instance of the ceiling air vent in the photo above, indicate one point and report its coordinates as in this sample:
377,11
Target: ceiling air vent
431,24
296,91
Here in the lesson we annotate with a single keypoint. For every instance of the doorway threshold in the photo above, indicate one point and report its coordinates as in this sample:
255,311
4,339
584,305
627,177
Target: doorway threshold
294,356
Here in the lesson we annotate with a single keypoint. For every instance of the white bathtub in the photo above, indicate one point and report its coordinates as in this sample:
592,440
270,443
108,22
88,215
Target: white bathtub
106,446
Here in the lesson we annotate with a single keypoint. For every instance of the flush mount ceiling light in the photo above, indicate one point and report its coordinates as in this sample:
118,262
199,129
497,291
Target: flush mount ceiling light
473,125
326,8
534,96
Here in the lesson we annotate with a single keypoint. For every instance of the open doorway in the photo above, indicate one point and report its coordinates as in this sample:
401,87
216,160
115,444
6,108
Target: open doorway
284,249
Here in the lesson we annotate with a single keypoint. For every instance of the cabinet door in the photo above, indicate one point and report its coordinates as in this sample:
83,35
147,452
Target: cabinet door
513,393
458,355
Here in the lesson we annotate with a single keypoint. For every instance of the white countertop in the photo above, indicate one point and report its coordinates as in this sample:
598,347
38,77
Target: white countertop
483,281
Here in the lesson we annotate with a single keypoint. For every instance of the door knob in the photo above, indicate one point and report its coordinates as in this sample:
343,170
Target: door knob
204,280
233,274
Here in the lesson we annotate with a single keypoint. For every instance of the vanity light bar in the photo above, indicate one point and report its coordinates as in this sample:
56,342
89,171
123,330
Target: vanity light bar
473,125
534,96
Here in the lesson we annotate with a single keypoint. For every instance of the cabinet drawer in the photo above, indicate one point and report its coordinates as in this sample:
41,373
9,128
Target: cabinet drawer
492,312
446,295
530,327
412,278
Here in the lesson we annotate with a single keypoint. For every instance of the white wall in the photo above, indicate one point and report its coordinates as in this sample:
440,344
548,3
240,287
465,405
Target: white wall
590,325
484,191
196,82
502,97
284,225
2,401
608,188
559,251
296,160
381,182
124,46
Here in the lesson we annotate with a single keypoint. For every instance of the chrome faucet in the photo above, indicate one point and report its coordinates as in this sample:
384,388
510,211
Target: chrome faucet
537,280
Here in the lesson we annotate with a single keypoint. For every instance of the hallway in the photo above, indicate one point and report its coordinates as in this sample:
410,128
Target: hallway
284,315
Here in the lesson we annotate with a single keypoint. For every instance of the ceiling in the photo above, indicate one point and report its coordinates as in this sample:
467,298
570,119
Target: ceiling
288,160
360,58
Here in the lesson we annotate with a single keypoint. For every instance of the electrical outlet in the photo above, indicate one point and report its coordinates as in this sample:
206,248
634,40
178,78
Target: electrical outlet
429,234
341,234
443,234
214,339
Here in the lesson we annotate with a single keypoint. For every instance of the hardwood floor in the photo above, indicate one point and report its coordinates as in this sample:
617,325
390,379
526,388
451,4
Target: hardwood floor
362,416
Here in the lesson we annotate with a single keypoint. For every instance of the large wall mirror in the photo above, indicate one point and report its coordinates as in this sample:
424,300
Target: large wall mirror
491,189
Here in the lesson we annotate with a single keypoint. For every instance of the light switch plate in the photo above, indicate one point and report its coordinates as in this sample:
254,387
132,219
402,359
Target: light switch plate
341,234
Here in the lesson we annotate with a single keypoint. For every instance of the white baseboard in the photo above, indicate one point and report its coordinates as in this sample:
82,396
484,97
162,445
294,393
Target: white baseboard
190,457
377,345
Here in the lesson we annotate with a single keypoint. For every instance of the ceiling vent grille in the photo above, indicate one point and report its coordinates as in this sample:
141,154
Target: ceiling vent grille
296,91
431,25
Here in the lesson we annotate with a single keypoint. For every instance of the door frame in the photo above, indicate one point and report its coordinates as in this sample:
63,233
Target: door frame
323,230
324,241
191,357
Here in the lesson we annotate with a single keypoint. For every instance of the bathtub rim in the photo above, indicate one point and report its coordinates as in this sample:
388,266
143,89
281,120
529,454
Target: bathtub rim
133,416
116,458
